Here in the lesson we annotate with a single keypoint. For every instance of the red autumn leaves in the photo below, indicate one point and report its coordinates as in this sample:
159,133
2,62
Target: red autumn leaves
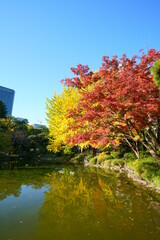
119,101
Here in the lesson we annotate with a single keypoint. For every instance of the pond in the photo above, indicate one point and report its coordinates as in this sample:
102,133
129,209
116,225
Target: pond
74,202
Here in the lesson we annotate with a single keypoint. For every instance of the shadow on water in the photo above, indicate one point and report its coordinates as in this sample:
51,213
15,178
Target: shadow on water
50,201
25,162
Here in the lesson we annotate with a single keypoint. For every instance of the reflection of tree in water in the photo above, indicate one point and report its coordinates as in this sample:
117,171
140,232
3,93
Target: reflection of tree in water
82,205
11,181
9,188
86,205
72,205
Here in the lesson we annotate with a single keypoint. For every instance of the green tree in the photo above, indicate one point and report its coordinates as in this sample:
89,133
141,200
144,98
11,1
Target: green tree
5,135
3,110
38,138
20,136
156,72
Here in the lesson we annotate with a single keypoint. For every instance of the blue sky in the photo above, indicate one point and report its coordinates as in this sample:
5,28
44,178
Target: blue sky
40,40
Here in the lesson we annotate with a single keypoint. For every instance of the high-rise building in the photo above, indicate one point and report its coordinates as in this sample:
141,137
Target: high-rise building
37,125
7,96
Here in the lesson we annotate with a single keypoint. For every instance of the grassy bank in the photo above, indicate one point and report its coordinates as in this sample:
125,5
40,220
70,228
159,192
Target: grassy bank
145,168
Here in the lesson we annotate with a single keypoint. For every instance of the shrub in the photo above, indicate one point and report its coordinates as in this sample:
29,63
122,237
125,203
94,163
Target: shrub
144,154
93,160
67,150
148,169
115,155
89,156
118,162
137,165
156,180
102,157
78,158
99,161
107,163
130,156
158,153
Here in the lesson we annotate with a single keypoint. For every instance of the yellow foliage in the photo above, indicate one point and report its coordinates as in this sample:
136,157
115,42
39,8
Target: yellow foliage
58,122
136,138
101,155
106,190
117,141
84,145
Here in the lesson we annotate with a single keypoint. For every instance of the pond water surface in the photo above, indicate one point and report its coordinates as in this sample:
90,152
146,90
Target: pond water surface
68,202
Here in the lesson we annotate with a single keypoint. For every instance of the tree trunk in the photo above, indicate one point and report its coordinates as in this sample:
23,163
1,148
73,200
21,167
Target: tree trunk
152,151
133,148
93,151
154,155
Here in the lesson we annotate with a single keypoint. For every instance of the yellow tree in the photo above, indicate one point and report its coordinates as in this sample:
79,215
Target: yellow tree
58,108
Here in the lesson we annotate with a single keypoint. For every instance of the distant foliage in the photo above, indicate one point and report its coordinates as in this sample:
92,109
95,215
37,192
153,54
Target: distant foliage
6,131
17,137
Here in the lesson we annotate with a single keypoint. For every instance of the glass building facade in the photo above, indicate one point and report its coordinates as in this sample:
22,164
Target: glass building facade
7,96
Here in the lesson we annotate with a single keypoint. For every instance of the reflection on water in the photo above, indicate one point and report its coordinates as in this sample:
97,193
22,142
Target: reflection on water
75,203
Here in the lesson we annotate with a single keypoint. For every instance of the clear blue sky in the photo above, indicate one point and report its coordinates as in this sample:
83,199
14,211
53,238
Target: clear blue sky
41,39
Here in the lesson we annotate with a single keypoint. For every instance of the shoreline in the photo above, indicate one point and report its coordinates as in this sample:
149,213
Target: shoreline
130,173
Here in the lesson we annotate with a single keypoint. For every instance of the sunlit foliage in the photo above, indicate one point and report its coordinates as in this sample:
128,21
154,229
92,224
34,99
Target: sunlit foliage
122,103
58,118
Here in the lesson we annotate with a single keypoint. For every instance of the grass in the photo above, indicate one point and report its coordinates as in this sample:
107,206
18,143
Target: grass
147,168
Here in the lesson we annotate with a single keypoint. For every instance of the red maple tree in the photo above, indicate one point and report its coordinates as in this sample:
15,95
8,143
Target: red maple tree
120,102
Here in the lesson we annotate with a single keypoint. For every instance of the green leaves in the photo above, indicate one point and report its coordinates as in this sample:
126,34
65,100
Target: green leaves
156,72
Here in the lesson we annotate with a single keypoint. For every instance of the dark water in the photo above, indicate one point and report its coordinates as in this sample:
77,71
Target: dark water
75,203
